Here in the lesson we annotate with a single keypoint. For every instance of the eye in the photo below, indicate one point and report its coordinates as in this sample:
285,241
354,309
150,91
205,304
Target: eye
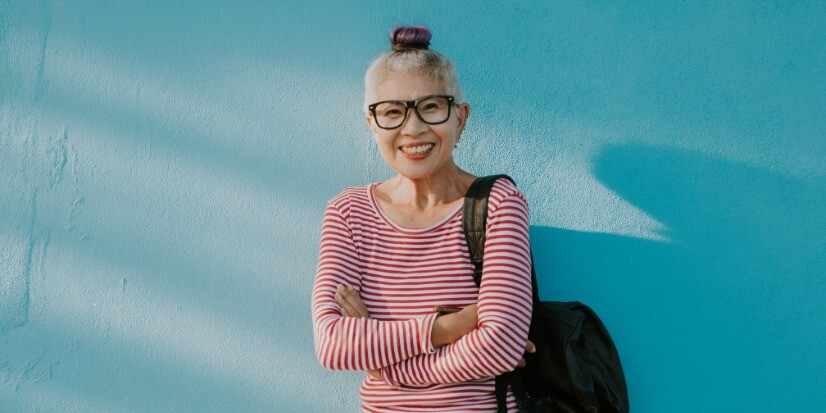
432,105
390,109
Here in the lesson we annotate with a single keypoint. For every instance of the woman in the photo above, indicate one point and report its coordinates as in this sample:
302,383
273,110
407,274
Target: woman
391,251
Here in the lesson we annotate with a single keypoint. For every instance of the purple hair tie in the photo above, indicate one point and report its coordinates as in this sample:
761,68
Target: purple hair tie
410,37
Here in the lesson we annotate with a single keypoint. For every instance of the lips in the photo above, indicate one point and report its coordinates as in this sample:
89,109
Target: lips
417,151
417,148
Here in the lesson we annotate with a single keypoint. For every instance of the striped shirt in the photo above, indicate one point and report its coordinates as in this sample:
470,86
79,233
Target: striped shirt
401,274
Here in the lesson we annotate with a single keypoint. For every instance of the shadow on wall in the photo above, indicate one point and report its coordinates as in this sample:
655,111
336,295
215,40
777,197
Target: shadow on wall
97,369
731,303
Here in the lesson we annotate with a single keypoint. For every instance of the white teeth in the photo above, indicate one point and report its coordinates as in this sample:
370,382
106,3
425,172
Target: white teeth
419,149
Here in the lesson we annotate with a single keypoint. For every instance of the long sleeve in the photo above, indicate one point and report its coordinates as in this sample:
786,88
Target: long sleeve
504,309
347,343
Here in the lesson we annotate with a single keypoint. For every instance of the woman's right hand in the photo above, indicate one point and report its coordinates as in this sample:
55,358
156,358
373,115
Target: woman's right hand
451,327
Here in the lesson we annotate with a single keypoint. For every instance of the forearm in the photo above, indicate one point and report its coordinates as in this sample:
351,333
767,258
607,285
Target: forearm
349,343
487,351
451,327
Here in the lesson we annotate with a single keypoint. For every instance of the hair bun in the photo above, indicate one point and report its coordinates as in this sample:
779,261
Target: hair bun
410,37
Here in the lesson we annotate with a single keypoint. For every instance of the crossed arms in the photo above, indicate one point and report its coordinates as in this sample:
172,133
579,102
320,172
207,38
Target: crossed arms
481,341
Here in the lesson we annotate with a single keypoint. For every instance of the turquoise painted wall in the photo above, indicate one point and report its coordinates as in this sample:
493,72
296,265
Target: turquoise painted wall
164,168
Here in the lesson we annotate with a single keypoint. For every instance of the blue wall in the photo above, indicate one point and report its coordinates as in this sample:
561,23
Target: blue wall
164,169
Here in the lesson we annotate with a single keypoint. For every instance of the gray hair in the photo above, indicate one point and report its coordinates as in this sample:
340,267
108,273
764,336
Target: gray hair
430,63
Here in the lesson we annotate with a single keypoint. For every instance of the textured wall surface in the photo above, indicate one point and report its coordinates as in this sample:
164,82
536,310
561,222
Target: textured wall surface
164,169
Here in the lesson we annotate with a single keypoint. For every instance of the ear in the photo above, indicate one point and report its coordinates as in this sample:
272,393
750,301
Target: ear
370,123
463,113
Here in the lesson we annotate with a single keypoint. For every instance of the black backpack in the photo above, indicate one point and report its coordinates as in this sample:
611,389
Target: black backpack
576,367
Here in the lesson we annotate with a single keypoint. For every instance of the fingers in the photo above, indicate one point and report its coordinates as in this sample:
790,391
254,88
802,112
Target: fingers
530,348
347,309
351,304
357,307
342,301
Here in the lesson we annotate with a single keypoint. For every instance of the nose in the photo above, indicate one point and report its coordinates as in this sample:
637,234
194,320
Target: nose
413,125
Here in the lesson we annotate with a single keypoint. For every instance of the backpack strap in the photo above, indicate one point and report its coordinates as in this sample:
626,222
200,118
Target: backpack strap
474,221
474,218
501,391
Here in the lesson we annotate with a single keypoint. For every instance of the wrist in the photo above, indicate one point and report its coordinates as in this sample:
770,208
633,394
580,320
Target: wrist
444,328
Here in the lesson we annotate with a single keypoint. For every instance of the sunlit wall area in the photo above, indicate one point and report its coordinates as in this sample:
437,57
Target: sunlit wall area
164,167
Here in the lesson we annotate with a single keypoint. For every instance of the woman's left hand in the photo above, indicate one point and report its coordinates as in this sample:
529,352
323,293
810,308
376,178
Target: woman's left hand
530,347
352,306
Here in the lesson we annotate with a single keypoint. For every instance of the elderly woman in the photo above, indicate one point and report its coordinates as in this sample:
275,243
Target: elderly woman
392,250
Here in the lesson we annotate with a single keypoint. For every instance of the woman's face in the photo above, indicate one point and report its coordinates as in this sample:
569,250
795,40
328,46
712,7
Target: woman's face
396,145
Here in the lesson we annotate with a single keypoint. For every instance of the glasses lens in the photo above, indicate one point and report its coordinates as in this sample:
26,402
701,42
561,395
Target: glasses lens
434,109
390,114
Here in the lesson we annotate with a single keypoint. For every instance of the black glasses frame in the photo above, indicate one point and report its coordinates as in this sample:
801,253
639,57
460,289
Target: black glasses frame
415,105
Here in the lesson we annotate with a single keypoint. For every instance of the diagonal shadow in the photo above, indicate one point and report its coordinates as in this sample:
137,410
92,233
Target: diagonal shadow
80,368
127,359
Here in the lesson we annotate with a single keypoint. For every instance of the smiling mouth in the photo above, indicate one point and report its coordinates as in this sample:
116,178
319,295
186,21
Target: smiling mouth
417,150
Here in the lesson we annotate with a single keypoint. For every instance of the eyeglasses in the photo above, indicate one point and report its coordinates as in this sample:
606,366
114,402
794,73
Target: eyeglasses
431,109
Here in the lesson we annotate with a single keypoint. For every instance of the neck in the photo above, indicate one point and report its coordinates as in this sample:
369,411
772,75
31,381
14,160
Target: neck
444,187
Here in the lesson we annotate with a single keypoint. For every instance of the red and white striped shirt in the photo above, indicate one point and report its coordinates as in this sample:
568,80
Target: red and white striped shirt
401,274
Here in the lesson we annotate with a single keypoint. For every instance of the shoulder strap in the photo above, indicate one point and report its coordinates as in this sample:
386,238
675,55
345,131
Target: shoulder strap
474,220
474,217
